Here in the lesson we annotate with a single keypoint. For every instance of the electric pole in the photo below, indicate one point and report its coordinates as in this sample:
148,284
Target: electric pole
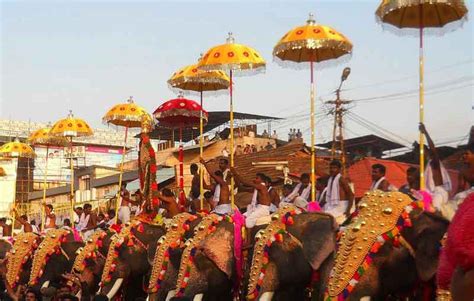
338,111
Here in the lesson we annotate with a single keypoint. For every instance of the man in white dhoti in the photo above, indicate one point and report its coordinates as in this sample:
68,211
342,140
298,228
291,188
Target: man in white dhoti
303,189
437,180
221,191
263,201
87,222
339,196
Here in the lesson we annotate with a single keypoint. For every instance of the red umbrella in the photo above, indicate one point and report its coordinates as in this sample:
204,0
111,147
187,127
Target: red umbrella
180,113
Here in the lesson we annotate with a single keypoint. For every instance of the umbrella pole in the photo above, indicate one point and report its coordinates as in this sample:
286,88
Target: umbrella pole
313,156
231,139
201,146
181,170
71,165
45,177
119,191
422,113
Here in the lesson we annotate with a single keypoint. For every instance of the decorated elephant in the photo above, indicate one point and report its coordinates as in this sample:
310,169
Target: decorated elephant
90,261
207,269
165,255
126,265
54,256
5,247
290,255
18,260
390,246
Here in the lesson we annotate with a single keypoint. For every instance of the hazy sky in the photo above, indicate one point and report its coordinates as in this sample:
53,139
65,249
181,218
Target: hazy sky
88,55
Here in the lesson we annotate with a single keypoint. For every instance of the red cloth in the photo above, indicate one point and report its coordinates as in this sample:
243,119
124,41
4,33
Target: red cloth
459,250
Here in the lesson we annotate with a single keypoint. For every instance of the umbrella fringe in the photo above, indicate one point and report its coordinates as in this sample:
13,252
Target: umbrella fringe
216,93
317,65
237,69
427,31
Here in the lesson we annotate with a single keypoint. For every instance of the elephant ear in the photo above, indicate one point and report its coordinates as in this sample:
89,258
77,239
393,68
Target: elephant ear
219,247
319,240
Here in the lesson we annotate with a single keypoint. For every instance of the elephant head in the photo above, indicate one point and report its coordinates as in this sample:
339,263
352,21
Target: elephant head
127,259
17,263
90,260
165,255
305,245
207,265
401,240
54,257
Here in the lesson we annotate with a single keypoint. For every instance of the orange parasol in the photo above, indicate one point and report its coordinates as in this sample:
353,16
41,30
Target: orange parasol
128,115
417,16
312,43
71,127
190,79
238,59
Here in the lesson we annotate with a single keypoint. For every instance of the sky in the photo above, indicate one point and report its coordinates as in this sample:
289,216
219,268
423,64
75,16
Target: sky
86,56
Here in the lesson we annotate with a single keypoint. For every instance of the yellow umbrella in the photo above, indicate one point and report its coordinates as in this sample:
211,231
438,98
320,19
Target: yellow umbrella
71,127
16,149
238,59
191,79
43,137
311,43
128,115
417,15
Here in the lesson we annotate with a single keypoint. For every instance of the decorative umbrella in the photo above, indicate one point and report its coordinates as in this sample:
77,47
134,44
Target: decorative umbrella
16,149
180,113
69,128
311,43
128,115
43,137
238,59
191,80
418,15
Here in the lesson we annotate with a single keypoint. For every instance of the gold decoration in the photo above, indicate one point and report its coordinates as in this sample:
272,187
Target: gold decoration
356,244
115,242
22,250
174,239
266,236
206,223
87,251
50,244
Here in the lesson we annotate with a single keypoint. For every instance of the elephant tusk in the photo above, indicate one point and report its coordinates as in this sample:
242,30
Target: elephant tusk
170,295
115,288
198,297
366,298
267,296
45,284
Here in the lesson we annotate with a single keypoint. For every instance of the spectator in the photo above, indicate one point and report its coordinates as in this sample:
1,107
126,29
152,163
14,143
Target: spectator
254,148
265,134
299,135
274,135
269,146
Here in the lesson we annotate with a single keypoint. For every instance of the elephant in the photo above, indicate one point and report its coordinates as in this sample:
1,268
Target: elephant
90,268
183,227
5,247
396,269
17,263
308,245
212,270
130,261
54,257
